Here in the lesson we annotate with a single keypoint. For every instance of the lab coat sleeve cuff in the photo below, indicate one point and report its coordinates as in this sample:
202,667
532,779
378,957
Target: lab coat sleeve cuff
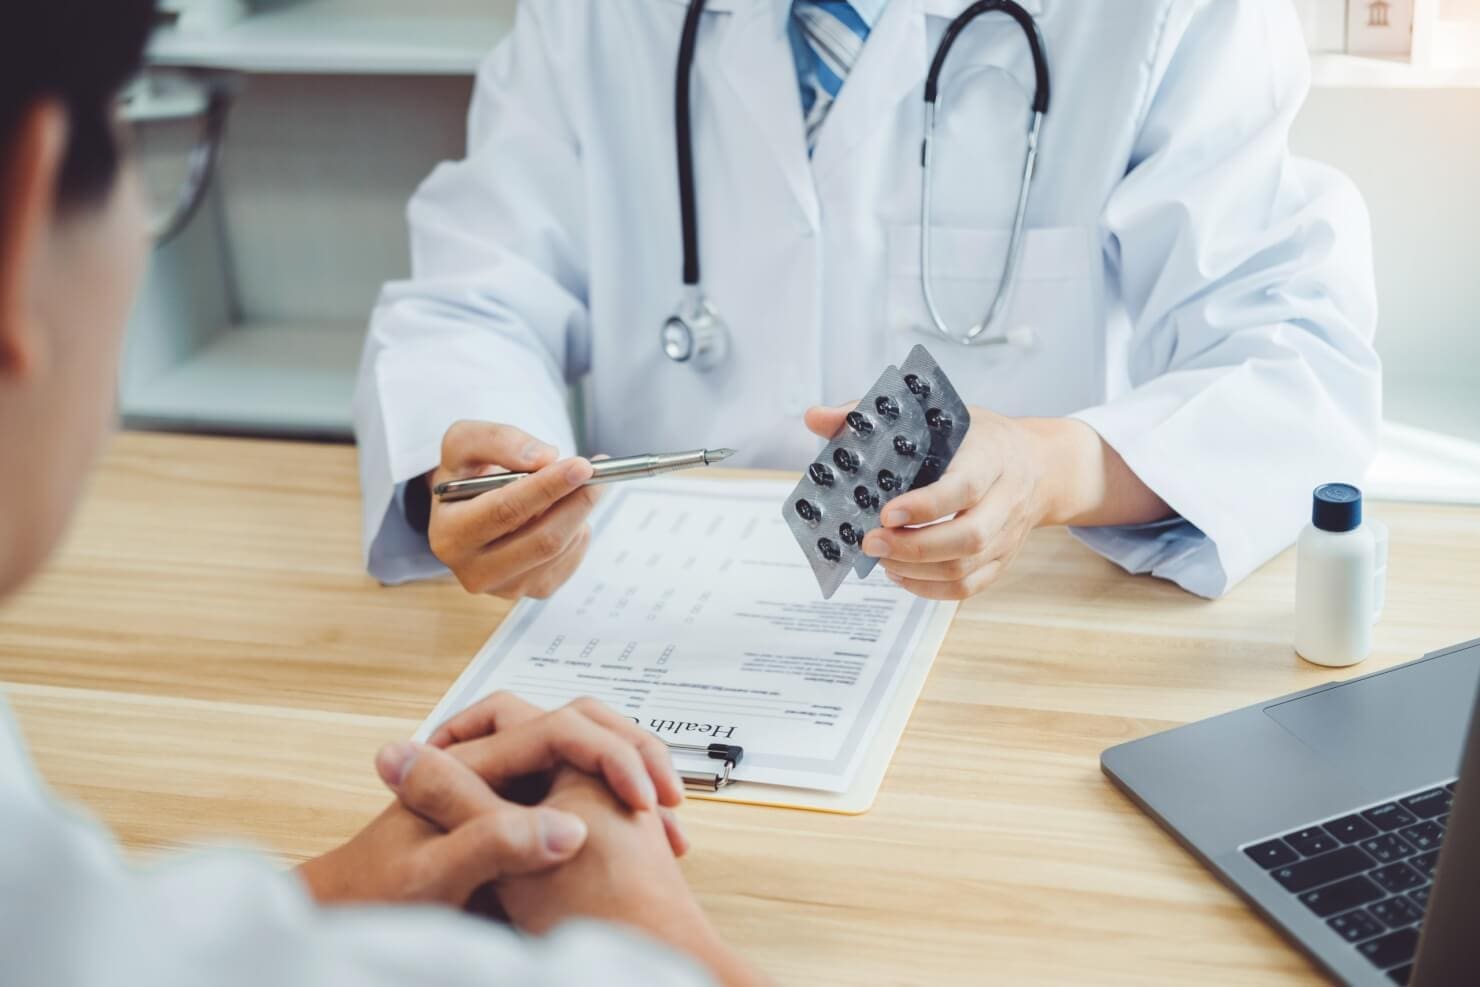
1202,549
395,553
400,436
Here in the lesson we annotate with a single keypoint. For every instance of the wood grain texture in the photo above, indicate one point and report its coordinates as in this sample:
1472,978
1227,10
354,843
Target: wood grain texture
207,661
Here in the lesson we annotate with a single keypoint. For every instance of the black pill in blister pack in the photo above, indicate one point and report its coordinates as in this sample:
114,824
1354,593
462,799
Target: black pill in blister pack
946,420
946,415
841,487
905,429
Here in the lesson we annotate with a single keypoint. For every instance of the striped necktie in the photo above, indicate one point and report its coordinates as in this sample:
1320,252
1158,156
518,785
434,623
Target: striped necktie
827,37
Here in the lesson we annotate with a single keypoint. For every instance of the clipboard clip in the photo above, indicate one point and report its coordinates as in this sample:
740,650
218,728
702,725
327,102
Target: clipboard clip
709,781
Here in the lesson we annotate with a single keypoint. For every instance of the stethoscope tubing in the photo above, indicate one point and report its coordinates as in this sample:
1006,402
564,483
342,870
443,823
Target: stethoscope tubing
979,334
684,133
984,332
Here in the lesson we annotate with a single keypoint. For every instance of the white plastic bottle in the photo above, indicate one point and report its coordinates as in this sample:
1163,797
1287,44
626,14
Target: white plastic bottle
1340,577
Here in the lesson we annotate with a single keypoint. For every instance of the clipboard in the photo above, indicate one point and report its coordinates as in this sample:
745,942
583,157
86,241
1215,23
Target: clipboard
711,757
864,790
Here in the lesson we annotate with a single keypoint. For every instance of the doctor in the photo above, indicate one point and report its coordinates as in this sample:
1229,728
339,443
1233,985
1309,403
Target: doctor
1180,345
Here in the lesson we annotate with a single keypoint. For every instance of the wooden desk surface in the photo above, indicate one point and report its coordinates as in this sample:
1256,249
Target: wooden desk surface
208,661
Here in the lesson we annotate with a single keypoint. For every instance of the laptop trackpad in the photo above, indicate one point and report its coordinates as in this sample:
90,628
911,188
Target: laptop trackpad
1395,730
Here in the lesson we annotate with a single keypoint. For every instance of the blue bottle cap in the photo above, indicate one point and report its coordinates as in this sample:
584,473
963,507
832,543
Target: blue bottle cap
1338,507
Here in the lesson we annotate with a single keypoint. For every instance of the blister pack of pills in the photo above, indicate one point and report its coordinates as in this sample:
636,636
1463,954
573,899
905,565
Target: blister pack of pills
902,436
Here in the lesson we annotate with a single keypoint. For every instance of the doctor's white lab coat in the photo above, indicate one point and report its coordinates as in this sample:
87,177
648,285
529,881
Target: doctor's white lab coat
1200,298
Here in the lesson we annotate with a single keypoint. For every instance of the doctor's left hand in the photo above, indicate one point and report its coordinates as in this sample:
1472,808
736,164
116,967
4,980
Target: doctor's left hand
998,488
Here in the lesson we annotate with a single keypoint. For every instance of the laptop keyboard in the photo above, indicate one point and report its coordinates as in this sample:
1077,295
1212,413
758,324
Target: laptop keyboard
1367,873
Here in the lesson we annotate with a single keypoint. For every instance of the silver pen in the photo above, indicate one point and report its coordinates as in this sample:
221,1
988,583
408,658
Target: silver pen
603,471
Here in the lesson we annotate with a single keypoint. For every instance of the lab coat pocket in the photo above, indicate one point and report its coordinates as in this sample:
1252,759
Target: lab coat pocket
1055,306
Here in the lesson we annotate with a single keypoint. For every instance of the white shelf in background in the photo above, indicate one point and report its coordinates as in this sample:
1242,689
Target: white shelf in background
1445,405
334,37
293,378
356,37
1333,71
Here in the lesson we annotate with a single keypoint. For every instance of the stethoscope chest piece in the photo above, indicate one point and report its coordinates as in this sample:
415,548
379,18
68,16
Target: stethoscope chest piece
696,335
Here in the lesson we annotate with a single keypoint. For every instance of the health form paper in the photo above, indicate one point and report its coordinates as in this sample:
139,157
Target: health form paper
695,614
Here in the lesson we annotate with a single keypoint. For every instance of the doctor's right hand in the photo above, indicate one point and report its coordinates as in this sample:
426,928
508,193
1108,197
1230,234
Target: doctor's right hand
524,540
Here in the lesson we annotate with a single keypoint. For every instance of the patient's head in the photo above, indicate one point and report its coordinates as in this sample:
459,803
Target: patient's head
72,244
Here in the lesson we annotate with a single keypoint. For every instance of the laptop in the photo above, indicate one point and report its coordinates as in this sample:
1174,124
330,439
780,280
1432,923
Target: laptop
1348,815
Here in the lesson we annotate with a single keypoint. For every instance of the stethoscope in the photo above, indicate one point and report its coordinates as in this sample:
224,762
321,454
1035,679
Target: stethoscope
696,333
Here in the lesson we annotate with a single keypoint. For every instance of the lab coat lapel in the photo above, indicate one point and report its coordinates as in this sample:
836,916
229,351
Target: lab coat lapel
755,58
892,64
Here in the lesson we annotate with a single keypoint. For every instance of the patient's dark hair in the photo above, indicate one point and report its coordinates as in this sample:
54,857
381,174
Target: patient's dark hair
79,52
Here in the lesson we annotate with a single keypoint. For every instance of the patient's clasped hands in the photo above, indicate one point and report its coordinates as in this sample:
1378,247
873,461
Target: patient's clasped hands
600,842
